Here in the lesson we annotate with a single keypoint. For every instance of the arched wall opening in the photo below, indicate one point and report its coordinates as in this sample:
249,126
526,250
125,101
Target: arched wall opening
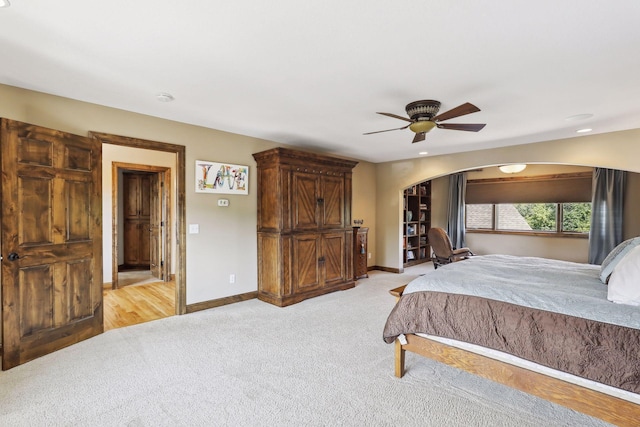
617,150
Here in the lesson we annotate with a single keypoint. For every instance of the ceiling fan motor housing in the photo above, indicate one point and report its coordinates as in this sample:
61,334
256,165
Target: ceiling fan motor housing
423,110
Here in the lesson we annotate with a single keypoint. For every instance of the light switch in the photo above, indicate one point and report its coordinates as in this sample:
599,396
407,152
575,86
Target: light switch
194,228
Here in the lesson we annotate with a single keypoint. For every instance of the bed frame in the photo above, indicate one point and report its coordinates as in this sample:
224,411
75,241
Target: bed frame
597,404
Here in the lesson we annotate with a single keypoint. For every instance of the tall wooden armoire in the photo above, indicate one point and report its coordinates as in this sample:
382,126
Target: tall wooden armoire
305,238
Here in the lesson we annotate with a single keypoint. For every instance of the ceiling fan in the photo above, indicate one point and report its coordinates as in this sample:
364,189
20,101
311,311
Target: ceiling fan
423,118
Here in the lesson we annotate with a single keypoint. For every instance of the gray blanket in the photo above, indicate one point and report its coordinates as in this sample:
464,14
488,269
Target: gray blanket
558,286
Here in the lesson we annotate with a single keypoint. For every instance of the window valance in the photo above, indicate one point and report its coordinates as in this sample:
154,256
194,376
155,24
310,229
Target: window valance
559,188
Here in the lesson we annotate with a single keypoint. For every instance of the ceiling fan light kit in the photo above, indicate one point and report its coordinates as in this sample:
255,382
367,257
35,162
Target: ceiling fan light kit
422,126
423,116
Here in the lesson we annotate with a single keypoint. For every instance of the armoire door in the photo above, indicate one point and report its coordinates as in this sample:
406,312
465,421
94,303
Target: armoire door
307,262
305,200
51,240
333,255
332,206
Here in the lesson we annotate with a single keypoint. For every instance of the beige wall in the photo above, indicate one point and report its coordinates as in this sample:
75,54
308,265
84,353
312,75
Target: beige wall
226,243
364,204
617,150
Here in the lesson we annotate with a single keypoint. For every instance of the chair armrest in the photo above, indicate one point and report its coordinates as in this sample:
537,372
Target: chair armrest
461,251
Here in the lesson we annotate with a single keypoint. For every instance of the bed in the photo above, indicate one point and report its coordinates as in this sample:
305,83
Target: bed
542,326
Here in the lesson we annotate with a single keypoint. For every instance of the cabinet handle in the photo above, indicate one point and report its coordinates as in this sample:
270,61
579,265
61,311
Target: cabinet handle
320,201
321,259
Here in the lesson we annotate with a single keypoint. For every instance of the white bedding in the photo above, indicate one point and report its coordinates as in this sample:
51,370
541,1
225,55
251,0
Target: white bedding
569,288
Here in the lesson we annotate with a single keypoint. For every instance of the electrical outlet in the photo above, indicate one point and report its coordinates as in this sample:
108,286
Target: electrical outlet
223,202
232,278
369,255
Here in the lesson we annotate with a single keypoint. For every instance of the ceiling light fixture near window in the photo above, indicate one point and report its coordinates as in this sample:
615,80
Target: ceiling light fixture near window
162,97
4,3
585,130
512,168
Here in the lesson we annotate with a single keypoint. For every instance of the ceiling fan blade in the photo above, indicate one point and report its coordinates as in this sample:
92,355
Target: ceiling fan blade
388,130
395,116
460,110
461,126
419,137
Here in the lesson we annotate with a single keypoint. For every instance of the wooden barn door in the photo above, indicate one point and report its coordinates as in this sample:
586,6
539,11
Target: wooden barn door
51,241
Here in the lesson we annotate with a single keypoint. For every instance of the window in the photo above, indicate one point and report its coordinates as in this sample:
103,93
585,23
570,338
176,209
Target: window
558,204
530,217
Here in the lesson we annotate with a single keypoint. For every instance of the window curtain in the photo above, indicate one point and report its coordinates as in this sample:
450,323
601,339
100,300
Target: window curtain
455,209
607,205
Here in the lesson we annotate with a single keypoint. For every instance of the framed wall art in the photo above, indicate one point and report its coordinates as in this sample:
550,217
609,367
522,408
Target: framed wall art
221,178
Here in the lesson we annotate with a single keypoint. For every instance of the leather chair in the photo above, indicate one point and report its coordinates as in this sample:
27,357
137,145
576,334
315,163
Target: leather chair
443,252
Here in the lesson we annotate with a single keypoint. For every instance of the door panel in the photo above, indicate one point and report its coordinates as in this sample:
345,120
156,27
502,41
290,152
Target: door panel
145,196
333,245
332,207
131,236
130,192
305,201
306,272
51,225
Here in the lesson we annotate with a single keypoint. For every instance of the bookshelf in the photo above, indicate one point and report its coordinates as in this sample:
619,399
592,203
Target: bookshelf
417,221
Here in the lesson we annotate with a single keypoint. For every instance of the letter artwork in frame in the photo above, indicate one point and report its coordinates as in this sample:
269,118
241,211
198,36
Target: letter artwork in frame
221,178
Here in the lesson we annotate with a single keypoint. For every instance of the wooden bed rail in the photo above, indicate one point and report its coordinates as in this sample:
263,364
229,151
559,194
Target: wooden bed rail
597,404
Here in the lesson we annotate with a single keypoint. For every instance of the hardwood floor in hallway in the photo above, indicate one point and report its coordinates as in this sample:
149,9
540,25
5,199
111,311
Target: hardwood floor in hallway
131,305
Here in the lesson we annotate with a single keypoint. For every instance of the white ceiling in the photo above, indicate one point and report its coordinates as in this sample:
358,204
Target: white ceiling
313,73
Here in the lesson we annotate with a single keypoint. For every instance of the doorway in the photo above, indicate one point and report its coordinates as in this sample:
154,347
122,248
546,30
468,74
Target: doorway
175,227
141,218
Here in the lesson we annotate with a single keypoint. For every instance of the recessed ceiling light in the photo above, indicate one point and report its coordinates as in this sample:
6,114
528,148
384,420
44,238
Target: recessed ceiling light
585,130
579,117
4,3
163,97
423,153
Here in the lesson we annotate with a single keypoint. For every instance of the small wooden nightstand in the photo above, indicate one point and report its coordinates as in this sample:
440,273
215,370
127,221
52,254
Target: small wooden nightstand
360,252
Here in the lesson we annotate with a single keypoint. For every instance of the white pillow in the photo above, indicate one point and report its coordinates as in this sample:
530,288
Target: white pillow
615,256
624,283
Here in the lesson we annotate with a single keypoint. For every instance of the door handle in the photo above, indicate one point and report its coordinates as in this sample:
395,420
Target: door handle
13,256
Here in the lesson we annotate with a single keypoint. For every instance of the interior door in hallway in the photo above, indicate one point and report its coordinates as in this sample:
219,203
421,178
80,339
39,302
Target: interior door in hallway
51,241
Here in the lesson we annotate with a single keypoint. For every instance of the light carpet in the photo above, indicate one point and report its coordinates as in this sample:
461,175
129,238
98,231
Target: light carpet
321,362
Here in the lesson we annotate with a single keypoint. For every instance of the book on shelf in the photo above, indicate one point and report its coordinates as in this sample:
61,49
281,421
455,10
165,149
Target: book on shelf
410,255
